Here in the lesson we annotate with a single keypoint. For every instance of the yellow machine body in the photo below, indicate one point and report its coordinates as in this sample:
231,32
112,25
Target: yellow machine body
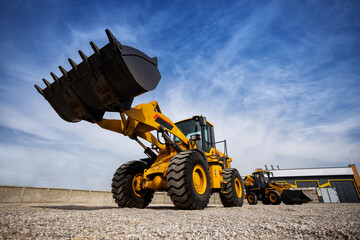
183,158
140,121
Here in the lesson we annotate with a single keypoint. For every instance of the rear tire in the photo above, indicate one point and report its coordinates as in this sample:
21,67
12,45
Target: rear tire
252,199
189,180
274,197
124,183
234,196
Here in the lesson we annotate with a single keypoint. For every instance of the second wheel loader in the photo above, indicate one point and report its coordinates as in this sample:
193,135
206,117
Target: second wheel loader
182,160
260,187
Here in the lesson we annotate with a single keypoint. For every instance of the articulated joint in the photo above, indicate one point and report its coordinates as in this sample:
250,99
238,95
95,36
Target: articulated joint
158,183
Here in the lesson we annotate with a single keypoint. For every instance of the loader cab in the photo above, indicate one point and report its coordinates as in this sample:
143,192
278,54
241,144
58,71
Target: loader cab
266,177
261,180
198,125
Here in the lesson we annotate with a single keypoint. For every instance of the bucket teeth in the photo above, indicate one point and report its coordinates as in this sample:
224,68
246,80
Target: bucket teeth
46,83
95,48
110,36
112,40
73,64
84,58
56,78
39,90
63,71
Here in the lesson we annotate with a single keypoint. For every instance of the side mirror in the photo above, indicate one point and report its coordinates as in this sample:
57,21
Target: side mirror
195,137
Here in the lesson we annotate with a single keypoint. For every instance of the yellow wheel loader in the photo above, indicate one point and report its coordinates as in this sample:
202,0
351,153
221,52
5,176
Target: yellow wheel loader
260,187
182,158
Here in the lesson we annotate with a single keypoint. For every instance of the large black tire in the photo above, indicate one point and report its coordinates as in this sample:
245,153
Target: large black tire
189,180
274,197
124,182
234,190
252,198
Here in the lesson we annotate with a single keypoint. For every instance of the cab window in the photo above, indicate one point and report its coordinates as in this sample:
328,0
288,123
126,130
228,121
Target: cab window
190,128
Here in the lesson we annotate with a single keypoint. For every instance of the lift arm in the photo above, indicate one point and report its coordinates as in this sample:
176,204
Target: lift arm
140,121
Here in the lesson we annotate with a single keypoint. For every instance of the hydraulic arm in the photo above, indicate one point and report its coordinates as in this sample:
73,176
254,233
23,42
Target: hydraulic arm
140,121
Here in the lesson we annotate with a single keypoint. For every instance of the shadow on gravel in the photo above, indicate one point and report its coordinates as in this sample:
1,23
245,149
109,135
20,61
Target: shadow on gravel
74,207
172,207
162,207
92,208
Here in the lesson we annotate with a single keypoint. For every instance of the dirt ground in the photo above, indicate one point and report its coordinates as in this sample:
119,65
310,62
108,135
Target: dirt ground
307,221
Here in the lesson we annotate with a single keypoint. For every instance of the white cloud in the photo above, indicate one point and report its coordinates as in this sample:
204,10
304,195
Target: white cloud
265,115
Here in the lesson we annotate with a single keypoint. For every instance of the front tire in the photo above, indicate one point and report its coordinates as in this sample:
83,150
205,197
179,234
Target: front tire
127,188
233,195
252,198
189,180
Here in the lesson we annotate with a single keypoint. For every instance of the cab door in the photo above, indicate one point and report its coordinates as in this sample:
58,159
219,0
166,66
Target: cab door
207,135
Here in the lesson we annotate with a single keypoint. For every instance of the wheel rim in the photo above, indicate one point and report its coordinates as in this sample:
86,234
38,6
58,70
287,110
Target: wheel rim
250,198
272,197
199,179
136,185
238,188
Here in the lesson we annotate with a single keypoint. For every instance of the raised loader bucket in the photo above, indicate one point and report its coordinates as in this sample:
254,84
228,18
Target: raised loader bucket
294,197
108,80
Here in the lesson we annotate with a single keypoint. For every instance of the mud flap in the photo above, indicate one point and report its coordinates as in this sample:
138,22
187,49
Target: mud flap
294,197
108,80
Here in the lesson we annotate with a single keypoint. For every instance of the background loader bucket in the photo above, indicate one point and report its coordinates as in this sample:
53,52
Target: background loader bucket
108,80
294,197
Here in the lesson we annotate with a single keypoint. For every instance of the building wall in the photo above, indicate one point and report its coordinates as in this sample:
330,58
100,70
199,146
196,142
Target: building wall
356,175
345,185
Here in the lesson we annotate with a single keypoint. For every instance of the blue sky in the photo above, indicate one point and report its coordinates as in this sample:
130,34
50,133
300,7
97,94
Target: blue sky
280,80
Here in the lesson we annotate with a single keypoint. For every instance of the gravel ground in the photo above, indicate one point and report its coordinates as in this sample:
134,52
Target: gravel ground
308,221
